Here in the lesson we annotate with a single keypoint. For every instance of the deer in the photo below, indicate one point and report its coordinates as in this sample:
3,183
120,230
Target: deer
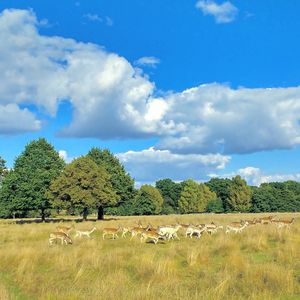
254,221
60,236
124,231
284,223
237,228
154,236
266,220
65,229
112,231
191,230
135,231
169,232
87,233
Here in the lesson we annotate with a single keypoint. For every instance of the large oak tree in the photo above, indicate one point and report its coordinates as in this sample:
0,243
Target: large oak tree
83,185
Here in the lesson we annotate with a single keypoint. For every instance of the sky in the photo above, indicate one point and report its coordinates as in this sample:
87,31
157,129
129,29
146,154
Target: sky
176,89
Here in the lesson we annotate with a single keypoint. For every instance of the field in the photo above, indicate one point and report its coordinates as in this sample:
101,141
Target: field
262,262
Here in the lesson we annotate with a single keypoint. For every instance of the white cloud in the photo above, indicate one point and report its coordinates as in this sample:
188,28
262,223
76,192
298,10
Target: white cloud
93,17
150,61
255,176
151,165
14,120
223,13
63,154
111,99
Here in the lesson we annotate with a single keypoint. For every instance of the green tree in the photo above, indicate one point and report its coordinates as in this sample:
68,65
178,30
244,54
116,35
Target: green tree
148,201
120,180
82,185
27,184
195,197
240,195
170,191
215,206
221,186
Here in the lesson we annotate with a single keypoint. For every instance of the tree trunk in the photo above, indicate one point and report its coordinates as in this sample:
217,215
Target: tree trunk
85,214
43,215
100,213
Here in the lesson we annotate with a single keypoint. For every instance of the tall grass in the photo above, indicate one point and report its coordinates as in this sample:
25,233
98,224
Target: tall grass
261,263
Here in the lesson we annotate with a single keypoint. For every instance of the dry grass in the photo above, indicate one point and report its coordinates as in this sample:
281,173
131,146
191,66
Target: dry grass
261,263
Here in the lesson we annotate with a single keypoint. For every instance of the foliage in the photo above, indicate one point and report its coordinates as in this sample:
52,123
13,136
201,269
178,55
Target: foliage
221,186
121,181
239,195
170,191
25,187
195,197
215,206
83,185
276,196
148,201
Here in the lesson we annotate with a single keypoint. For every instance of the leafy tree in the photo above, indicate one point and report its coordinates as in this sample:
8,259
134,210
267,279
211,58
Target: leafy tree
82,185
120,180
221,186
27,184
148,201
215,205
239,195
195,197
170,191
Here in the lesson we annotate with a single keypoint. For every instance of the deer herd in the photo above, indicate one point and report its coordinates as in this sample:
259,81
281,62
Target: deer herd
165,232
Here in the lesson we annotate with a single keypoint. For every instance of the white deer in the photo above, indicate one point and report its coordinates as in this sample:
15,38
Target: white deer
170,232
87,233
236,228
191,230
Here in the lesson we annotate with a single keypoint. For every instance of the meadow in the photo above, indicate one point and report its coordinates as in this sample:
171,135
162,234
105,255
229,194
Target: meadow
263,262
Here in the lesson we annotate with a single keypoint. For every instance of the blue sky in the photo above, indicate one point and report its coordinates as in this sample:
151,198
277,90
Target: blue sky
175,88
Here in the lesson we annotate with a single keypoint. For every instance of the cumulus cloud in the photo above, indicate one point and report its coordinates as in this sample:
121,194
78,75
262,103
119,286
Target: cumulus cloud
113,100
150,61
63,154
150,165
217,118
223,13
14,120
255,176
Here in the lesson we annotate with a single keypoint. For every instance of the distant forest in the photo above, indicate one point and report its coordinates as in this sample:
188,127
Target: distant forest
41,184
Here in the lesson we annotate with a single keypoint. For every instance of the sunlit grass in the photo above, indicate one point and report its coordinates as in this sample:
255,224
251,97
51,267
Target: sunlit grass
261,263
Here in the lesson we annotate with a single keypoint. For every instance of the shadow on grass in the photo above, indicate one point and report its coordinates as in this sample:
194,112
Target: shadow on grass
56,220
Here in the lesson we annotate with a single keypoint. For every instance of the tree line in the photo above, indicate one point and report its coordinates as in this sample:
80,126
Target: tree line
41,184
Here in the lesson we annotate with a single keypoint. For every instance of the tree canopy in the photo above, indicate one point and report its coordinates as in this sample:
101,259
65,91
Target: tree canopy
121,181
170,191
27,184
239,195
83,185
195,197
148,201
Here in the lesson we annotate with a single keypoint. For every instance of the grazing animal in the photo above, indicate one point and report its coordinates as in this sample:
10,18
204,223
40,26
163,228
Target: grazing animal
60,236
284,223
236,228
266,220
192,230
135,231
65,229
154,236
87,233
169,232
112,231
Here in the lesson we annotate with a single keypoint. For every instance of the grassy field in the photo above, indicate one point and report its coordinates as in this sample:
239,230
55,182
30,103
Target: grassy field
261,263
